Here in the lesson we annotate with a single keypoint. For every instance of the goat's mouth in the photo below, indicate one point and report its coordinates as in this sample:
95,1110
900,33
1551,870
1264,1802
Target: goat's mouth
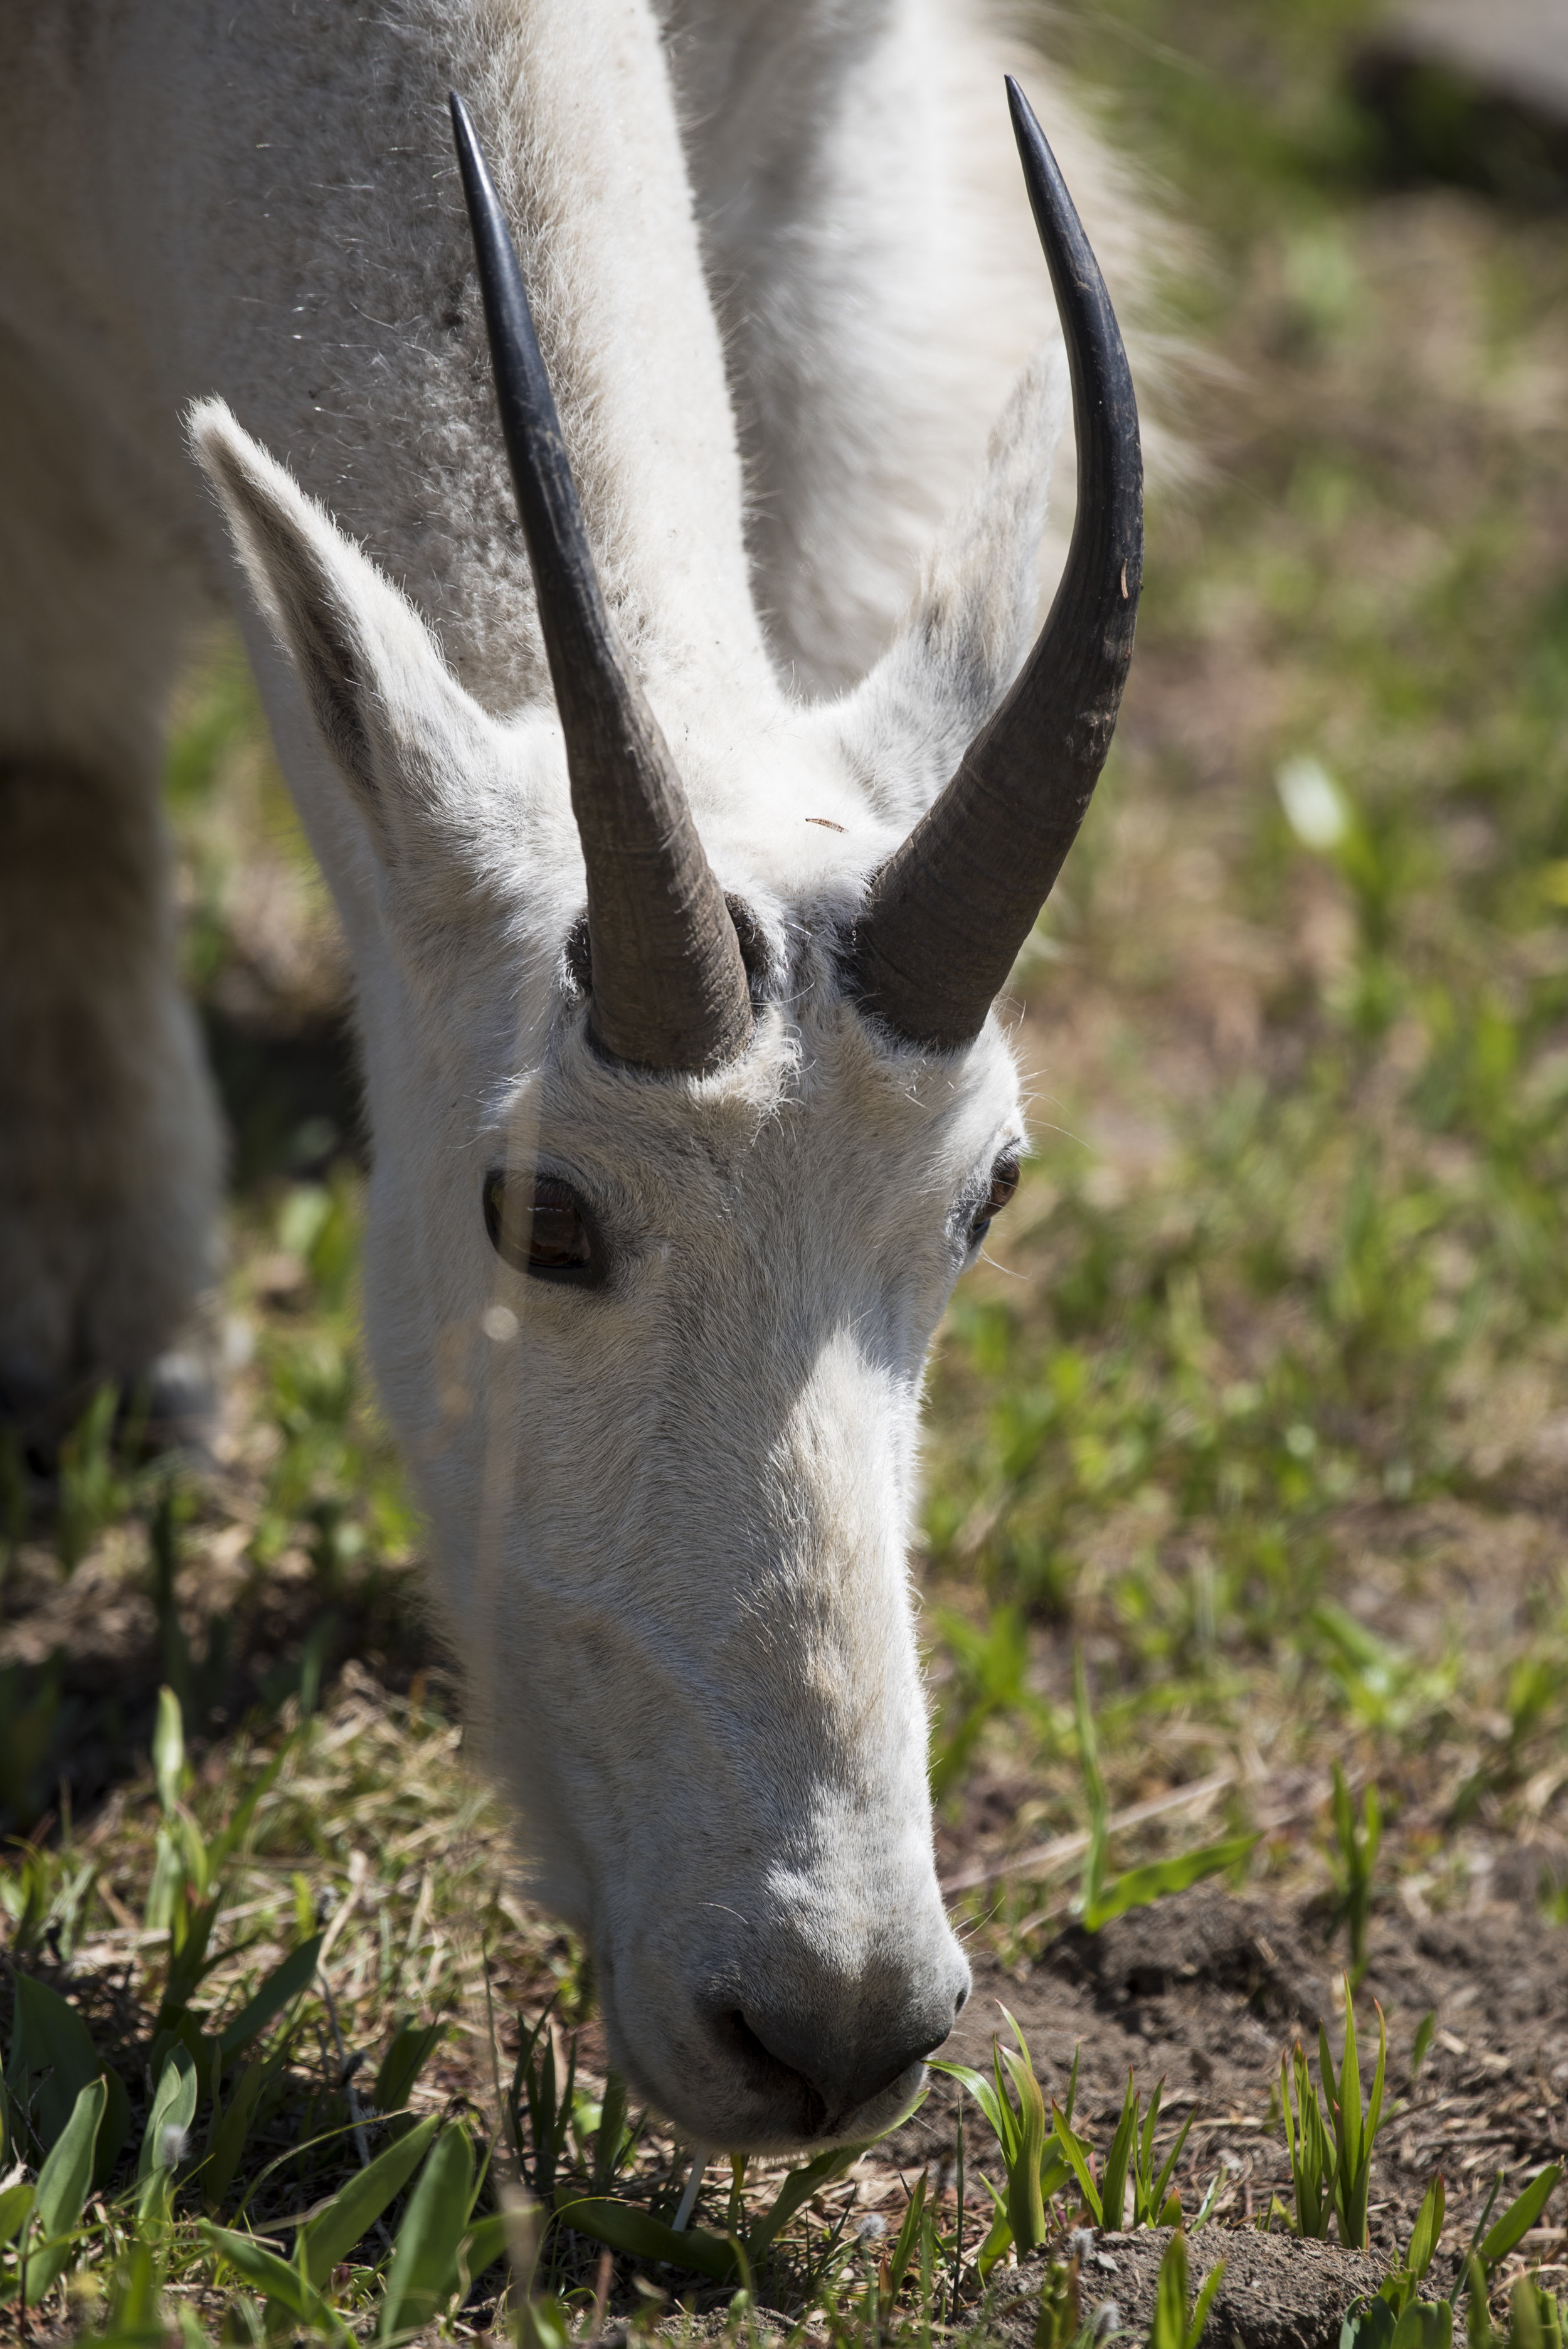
787,2093
799,2110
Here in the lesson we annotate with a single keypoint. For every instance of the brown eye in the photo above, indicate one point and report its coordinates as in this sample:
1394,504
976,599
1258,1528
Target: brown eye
550,1236
1004,1183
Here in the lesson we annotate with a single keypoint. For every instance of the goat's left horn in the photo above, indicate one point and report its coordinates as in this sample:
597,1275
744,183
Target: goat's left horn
669,988
948,912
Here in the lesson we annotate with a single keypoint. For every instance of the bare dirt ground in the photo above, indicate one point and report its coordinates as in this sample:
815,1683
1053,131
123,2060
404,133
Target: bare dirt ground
1208,1990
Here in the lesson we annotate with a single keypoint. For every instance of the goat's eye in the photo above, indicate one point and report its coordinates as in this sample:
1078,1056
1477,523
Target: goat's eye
1004,1183
549,1233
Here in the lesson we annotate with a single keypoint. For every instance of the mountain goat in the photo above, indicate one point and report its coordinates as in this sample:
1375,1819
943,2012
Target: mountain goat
678,870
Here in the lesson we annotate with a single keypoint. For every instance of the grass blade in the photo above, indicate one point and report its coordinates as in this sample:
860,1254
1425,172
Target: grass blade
285,1983
796,2191
16,2205
413,2044
1427,2230
1076,2151
1205,2302
1520,2217
424,2271
1137,1887
1113,2184
1026,2203
354,2208
1169,2327
62,2190
52,2060
641,2236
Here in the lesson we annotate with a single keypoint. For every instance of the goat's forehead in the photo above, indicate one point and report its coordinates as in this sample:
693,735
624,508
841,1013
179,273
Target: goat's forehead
818,1095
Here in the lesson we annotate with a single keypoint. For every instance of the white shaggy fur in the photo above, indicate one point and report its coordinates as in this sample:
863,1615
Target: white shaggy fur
784,277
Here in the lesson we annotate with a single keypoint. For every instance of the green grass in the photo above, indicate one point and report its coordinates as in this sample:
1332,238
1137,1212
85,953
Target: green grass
1261,1407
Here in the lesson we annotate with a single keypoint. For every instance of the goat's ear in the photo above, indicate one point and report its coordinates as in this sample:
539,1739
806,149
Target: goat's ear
972,619
396,722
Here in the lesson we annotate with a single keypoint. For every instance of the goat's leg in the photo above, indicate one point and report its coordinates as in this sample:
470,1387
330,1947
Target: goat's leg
109,1148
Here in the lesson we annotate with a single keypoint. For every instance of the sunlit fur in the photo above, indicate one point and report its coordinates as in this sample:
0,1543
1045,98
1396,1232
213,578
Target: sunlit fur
669,1517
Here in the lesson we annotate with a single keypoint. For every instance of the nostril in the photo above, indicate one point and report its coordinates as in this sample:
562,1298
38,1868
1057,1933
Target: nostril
960,2002
839,2081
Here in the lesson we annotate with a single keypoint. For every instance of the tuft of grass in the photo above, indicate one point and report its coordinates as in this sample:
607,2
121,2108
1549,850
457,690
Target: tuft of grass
1034,2153
1331,2151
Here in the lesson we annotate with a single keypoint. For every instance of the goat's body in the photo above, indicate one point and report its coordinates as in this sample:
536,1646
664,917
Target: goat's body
259,203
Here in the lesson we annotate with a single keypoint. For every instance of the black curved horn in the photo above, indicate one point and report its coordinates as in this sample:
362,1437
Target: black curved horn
669,988
947,912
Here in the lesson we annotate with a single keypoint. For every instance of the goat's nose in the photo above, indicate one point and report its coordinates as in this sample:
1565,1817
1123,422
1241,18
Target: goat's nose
828,2070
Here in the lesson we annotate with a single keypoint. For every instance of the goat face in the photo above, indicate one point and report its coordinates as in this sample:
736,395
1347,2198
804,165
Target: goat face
694,1638
667,1200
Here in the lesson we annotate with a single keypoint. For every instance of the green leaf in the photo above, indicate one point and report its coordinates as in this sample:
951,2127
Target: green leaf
997,2245
797,2189
1348,2097
985,2093
1427,2230
1076,2152
353,2210
1478,2318
52,2058
1374,2102
1326,2067
423,2274
645,2238
134,2313
264,2272
1026,2203
413,2044
63,2186
1169,2327
1425,2324
484,2243
1205,2302
1113,2183
174,2110
1369,2327
1524,2315
15,2203
1520,2217
1424,2029
1140,1886
168,1752
1157,2197
905,2249
287,1979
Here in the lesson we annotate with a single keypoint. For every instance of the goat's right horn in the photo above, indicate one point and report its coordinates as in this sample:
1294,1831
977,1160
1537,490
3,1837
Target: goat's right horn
669,987
948,912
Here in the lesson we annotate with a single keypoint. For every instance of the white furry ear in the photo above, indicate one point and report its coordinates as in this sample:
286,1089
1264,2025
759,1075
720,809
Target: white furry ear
400,730
974,616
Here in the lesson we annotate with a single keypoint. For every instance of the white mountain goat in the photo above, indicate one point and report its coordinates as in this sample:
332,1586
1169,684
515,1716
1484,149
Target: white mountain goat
675,984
